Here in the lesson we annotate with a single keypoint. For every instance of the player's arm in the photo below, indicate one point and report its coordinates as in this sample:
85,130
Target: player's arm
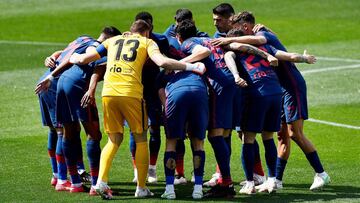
231,64
197,54
248,39
295,57
171,64
89,96
46,82
50,60
247,48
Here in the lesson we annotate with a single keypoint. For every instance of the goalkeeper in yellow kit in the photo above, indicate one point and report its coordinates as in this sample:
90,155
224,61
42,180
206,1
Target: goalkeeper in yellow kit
122,96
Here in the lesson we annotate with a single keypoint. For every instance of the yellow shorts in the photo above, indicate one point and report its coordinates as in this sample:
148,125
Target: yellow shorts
117,109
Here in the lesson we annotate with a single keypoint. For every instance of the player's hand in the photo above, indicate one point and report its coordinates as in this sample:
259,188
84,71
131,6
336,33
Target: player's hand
272,60
88,99
50,62
310,59
199,68
239,81
220,41
75,58
259,27
126,33
44,84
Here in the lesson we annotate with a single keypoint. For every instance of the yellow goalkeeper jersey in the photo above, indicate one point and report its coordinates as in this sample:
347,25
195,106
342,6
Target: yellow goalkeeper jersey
126,56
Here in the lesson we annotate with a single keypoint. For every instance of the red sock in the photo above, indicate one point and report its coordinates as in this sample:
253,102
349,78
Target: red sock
180,166
258,168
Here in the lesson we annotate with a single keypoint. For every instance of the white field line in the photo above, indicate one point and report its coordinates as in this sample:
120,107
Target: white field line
334,124
337,59
33,43
330,69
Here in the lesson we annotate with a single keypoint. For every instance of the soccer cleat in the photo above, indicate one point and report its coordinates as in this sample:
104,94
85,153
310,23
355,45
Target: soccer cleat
197,192
320,180
213,181
103,190
92,191
179,180
53,181
258,180
219,191
169,194
248,188
76,189
63,187
84,176
143,192
268,186
152,178
135,176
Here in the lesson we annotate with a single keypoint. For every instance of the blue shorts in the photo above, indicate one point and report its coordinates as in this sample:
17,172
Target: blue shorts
186,105
221,106
238,107
294,105
68,109
261,114
47,102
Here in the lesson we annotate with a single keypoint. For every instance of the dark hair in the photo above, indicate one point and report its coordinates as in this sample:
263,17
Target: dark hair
111,31
224,9
236,32
140,26
186,29
144,15
183,14
243,17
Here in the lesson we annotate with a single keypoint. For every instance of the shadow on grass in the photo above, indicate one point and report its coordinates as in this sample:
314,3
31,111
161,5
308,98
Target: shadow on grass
292,193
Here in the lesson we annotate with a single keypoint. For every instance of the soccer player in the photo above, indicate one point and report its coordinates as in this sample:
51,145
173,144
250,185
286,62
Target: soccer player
72,84
175,52
294,109
122,97
152,101
221,90
186,106
47,109
222,15
263,108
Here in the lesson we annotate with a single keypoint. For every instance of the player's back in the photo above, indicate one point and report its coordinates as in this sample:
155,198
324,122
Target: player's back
126,57
258,73
286,71
215,63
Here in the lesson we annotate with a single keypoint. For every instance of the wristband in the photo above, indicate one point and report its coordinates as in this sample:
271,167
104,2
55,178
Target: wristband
51,77
190,67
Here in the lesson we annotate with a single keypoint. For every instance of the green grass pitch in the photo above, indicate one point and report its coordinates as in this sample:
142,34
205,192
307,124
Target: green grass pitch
329,29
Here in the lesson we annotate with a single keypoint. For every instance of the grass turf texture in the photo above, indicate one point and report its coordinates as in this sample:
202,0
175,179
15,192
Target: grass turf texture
324,28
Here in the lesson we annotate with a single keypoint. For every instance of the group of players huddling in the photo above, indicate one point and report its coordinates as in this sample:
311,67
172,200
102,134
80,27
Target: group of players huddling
243,78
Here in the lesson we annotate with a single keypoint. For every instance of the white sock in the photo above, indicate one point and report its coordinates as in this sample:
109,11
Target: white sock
56,175
197,187
169,188
152,167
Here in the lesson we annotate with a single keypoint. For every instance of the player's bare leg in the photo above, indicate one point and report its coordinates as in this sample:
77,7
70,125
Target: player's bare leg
296,133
